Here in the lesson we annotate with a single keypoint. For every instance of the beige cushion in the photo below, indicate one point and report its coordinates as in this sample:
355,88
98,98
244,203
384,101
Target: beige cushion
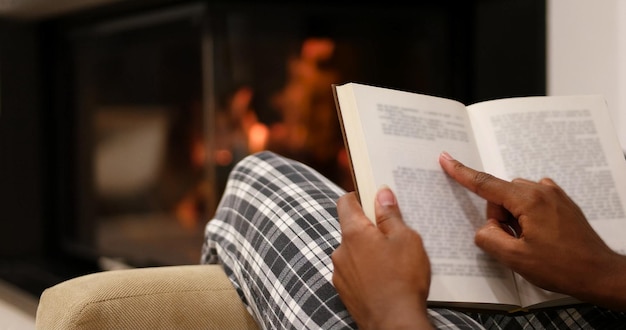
173,297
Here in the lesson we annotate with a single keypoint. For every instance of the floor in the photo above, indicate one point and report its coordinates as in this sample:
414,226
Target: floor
17,308
22,282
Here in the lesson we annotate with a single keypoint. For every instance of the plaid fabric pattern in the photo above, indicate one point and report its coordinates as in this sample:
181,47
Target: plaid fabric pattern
274,231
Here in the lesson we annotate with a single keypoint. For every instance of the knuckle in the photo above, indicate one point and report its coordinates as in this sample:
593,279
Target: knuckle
354,231
535,198
553,190
384,218
481,180
482,238
542,195
546,181
336,255
458,166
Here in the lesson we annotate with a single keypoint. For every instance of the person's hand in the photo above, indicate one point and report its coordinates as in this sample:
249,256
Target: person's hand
382,273
556,248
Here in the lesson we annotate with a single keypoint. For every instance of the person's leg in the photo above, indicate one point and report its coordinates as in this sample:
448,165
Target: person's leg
274,231
576,317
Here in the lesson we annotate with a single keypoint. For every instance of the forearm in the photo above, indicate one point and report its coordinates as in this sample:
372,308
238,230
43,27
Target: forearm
608,287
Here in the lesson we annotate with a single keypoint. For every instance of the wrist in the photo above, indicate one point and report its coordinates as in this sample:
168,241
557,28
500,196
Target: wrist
608,287
401,316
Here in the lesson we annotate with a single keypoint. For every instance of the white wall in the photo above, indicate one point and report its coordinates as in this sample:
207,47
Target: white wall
586,52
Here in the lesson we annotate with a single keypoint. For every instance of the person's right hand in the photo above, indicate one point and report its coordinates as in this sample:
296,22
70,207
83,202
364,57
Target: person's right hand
556,248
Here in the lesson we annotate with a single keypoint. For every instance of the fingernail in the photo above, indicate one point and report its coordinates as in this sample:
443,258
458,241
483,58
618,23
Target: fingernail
446,155
385,196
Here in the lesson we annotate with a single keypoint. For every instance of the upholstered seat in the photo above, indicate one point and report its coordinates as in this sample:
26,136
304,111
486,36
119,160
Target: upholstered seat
173,297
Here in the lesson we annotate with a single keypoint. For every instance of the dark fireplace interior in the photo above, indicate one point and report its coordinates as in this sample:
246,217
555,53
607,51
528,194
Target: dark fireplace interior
119,124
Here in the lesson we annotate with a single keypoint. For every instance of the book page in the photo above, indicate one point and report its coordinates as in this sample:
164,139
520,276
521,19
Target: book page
533,296
569,139
401,137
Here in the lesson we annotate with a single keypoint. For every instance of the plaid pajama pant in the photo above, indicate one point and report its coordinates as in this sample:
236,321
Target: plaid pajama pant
274,231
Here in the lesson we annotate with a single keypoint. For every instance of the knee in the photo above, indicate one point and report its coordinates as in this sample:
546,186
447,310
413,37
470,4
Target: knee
254,161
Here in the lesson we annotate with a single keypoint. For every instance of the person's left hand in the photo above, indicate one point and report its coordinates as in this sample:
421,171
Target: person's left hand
382,273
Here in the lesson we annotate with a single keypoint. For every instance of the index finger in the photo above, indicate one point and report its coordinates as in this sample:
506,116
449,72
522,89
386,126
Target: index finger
350,212
484,185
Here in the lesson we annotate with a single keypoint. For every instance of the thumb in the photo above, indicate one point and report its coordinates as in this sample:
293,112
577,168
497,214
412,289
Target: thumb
495,240
388,217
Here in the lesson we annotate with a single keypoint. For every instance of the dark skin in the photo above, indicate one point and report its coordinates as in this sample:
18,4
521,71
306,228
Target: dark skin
379,291
382,273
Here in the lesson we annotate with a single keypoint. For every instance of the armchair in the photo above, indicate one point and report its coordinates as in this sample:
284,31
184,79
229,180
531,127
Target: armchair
172,297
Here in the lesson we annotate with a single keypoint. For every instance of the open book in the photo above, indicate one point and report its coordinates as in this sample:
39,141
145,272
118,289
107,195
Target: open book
394,138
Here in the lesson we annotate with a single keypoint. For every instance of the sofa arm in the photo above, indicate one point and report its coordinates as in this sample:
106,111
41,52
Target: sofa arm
172,297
